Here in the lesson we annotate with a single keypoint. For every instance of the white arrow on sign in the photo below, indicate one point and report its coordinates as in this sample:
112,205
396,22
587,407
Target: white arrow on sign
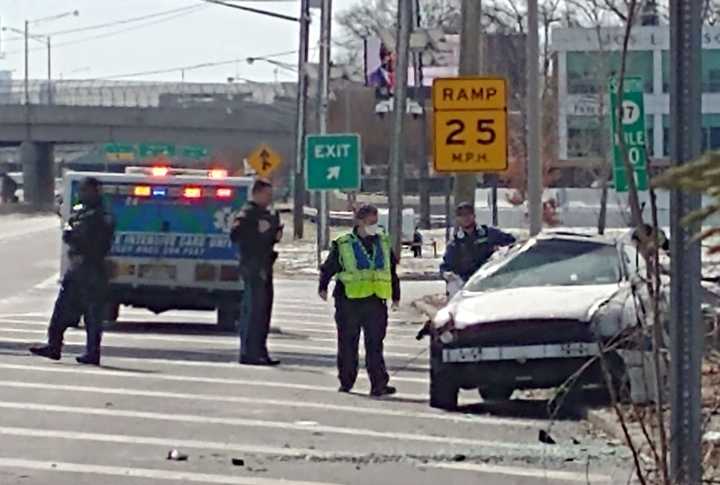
333,173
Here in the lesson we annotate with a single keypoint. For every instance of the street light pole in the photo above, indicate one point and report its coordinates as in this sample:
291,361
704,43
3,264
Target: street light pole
49,70
301,122
534,158
323,229
398,145
470,65
27,62
686,322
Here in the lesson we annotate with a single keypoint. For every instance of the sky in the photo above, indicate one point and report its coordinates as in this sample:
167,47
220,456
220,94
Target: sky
179,33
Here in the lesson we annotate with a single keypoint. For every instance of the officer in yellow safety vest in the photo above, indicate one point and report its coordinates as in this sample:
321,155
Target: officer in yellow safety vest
366,278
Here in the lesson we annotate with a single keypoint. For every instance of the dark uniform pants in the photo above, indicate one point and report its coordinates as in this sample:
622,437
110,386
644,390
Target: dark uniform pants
82,292
254,325
370,316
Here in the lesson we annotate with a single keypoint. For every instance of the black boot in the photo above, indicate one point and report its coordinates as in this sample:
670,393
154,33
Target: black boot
47,351
88,359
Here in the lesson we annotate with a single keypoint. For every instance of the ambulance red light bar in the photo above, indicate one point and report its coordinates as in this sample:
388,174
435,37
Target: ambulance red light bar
192,192
218,173
160,171
223,193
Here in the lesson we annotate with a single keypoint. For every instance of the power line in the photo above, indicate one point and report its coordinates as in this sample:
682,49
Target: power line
254,10
108,34
129,20
116,22
203,65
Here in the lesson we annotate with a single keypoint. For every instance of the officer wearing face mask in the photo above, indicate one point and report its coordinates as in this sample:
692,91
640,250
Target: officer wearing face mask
470,248
366,278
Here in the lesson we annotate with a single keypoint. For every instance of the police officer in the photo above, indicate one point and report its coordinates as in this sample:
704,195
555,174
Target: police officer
89,235
256,230
470,248
364,266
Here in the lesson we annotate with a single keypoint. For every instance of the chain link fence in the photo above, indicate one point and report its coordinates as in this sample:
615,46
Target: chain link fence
139,94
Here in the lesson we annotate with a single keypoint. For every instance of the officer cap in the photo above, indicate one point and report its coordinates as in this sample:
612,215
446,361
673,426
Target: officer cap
464,207
365,210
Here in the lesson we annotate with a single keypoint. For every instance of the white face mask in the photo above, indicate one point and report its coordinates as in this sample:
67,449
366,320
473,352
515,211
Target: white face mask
372,230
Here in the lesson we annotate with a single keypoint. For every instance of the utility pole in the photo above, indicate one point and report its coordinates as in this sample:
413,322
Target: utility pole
27,62
302,93
686,332
323,229
423,172
470,65
398,146
534,158
49,70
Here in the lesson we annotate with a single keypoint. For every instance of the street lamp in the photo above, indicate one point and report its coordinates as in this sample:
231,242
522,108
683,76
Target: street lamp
46,38
299,170
282,65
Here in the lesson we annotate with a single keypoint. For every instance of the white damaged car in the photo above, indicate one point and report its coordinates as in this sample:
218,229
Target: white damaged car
535,315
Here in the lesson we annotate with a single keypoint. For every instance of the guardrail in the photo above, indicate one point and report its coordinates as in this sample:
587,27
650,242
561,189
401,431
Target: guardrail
139,94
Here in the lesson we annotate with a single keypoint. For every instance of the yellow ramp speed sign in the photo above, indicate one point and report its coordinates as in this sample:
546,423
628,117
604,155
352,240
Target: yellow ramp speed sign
470,124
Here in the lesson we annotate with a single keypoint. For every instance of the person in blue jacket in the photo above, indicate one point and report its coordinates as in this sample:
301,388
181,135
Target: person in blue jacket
471,246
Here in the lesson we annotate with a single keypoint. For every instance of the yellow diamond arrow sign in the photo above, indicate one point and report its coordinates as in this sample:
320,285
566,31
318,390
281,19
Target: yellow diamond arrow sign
264,160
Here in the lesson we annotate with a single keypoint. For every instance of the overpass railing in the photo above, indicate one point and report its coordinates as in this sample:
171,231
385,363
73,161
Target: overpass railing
140,94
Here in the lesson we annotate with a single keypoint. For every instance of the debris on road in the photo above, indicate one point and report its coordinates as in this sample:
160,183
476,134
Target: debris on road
175,455
238,462
545,437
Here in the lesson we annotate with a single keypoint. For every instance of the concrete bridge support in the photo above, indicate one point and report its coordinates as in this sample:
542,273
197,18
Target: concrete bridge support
38,162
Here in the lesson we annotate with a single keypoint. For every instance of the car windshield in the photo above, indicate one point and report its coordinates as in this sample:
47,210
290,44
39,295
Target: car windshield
551,262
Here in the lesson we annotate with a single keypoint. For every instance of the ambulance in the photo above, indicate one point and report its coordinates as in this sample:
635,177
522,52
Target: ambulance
172,248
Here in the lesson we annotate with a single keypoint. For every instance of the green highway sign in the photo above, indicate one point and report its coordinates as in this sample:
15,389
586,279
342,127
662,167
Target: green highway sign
632,131
148,150
119,151
333,162
194,151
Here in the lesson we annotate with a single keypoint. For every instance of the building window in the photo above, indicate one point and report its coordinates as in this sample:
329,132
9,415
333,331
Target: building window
710,61
709,137
589,72
586,137
650,133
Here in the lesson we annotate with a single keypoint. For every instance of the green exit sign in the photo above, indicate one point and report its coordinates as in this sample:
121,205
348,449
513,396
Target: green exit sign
333,162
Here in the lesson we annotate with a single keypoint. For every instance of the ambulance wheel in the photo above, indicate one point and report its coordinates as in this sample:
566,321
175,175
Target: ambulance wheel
112,312
227,317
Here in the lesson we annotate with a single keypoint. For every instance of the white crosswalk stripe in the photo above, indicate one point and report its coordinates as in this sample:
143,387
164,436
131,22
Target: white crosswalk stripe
179,386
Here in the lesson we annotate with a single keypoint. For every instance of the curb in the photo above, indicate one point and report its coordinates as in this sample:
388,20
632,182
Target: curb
606,422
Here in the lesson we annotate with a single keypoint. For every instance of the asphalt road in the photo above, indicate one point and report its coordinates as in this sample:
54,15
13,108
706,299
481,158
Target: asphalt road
172,382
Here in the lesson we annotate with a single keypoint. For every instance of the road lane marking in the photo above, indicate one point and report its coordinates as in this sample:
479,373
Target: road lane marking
325,352
417,366
197,379
304,403
153,474
42,226
523,472
282,425
169,442
224,339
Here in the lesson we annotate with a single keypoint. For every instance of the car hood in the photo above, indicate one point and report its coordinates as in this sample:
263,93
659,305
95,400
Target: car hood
532,303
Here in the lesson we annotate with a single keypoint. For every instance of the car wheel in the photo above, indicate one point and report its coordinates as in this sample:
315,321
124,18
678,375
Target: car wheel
443,387
496,393
227,317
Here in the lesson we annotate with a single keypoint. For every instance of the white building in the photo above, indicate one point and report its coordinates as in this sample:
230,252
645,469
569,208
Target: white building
585,60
